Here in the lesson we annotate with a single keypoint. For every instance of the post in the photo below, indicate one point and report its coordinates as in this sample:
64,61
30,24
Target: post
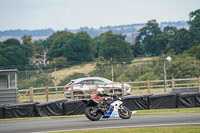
122,89
47,93
164,71
173,83
149,87
199,84
56,92
112,73
72,92
97,86
26,74
55,78
55,70
31,94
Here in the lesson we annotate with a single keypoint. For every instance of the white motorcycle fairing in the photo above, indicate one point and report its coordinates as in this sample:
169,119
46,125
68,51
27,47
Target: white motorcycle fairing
113,110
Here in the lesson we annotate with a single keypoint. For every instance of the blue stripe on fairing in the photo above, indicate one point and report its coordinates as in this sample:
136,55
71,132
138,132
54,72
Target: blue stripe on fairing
109,112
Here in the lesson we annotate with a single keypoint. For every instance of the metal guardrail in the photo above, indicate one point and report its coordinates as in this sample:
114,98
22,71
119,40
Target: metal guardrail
8,95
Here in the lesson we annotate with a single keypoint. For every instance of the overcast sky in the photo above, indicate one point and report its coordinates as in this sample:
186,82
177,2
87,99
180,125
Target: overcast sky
73,14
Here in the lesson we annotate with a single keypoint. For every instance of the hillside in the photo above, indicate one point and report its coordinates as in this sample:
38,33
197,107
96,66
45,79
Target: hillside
61,74
87,68
130,31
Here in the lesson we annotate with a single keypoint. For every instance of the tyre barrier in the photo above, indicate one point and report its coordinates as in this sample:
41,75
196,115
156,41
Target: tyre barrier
188,100
19,110
50,108
164,101
1,111
136,102
75,107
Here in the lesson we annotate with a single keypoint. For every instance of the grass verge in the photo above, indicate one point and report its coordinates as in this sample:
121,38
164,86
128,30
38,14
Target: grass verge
176,129
50,117
139,112
168,111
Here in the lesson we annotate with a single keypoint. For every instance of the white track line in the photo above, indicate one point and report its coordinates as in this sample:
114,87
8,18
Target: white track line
134,126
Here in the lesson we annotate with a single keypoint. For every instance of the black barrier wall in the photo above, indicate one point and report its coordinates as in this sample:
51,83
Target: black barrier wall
1,111
50,108
188,100
163,101
136,102
75,107
19,110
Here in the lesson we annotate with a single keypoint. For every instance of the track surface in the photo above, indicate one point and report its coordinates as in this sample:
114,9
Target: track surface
43,125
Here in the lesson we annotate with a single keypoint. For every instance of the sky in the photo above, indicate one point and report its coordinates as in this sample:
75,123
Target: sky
73,14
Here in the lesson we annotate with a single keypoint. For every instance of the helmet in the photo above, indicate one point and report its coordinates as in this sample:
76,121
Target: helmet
100,90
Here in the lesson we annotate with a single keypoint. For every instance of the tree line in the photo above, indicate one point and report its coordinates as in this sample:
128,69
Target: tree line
63,49
63,46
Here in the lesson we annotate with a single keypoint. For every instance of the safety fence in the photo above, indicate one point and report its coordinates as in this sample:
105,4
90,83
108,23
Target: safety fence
56,93
75,107
157,86
45,94
41,94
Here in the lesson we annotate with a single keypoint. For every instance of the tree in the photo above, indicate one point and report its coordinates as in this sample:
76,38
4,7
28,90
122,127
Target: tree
194,31
180,42
74,47
79,48
41,46
96,45
27,40
147,38
184,39
59,61
183,66
137,48
114,46
193,51
169,30
56,43
12,41
102,70
14,54
44,80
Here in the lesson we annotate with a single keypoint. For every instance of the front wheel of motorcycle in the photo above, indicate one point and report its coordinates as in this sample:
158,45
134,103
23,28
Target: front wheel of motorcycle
92,114
124,113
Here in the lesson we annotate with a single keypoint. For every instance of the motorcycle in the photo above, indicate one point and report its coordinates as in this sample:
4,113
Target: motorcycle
110,107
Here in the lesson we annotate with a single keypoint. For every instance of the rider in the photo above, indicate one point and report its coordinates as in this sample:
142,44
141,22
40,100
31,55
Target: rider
98,95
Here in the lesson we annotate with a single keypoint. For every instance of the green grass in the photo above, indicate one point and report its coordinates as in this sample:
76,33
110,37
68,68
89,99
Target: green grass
168,111
139,112
176,129
35,118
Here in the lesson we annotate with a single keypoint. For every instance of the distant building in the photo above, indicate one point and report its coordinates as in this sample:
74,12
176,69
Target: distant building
8,86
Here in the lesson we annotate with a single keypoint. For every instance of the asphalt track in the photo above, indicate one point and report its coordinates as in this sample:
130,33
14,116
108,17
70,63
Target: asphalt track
71,124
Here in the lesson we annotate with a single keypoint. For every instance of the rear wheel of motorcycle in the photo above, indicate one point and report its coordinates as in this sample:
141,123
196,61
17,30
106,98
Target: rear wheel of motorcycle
124,113
91,114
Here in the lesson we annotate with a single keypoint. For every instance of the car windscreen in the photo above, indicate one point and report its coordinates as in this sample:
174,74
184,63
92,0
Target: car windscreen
87,82
99,82
70,83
